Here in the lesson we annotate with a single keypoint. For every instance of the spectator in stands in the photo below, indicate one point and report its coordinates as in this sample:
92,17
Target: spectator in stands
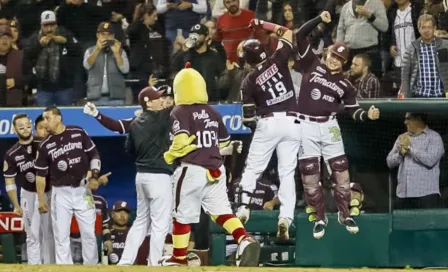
149,52
82,19
233,27
75,238
51,51
11,71
219,7
417,154
213,43
106,63
232,77
7,9
16,44
181,14
365,82
403,30
360,23
119,230
288,16
425,64
28,14
205,60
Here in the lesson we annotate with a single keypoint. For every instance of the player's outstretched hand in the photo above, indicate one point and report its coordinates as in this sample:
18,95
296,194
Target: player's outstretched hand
90,109
326,17
256,24
104,179
373,113
231,148
43,206
238,145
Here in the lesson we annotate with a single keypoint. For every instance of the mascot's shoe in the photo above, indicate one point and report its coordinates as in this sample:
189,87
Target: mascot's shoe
248,252
283,229
319,229
243,214
171,261
349,223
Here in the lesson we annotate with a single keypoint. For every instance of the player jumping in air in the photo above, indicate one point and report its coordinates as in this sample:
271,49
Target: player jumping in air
270,106
200,139
324,88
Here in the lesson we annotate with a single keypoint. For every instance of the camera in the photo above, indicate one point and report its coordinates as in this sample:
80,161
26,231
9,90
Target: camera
110,43
192,40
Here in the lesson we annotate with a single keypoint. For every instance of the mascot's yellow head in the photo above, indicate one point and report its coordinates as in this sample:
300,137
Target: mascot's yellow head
189,87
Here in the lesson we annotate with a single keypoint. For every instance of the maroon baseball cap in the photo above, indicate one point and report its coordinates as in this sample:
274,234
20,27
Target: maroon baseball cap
121,206
105,27
148,94
341,50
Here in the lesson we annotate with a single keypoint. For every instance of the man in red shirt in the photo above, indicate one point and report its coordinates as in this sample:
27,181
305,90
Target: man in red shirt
233,27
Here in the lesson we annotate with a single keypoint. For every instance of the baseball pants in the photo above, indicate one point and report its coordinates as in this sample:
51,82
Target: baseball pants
192,189
38,228
321,139
154,207
283,134
78,201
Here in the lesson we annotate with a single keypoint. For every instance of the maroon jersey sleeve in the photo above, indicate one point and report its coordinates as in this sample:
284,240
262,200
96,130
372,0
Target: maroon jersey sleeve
9,167
88,145
179,122
282,53
121,126
42,161
223,134
305,52
351,104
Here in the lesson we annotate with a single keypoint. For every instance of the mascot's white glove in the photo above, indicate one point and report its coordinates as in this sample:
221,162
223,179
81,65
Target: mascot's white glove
90,109
228,150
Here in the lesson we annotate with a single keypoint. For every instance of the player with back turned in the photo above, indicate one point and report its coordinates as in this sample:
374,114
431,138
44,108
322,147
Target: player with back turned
200,140
270,106
324,88
18,167
68,154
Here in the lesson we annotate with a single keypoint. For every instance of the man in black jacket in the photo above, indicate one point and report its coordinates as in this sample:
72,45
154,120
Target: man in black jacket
147,140
51,51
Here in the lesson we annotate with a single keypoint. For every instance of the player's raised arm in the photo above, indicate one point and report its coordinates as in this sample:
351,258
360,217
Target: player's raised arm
302,34
121,126
10,172
281,31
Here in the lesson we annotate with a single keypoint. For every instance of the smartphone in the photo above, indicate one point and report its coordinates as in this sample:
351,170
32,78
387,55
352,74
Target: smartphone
110,43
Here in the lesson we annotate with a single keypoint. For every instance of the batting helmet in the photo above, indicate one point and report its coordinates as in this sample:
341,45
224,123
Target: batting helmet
341,50
254,52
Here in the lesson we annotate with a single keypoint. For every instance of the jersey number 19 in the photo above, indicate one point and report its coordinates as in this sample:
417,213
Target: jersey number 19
280,90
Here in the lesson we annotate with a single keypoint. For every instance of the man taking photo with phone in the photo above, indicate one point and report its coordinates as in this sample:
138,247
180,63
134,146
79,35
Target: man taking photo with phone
106,64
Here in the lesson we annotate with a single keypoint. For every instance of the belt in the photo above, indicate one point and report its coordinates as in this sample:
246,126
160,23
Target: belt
272,114
316,119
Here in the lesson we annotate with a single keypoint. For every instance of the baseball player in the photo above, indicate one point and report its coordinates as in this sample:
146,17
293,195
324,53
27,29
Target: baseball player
147,140
40,127
270,106
18,167
324,88
68,154
122,126
119,230
200,138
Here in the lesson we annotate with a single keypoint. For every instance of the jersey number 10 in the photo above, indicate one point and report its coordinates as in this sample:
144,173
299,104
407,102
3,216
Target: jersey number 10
280,90
206,139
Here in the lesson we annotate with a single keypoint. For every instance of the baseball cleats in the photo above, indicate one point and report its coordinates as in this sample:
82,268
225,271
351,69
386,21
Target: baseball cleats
171,261
349,223
243,214
319,229
248,252
283,229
